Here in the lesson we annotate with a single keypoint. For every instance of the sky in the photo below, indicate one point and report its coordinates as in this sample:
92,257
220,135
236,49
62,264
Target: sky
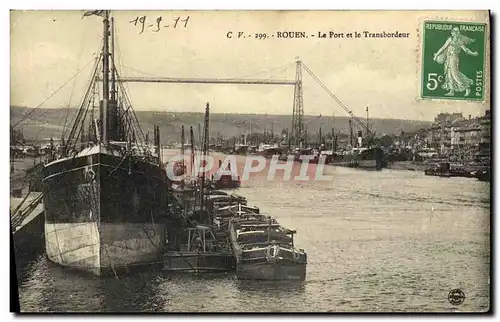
49,47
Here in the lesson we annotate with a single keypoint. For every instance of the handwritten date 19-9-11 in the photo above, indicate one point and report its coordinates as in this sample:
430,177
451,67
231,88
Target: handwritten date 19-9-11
177,22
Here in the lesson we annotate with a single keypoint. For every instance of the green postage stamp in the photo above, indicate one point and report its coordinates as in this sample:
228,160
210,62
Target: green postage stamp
453,60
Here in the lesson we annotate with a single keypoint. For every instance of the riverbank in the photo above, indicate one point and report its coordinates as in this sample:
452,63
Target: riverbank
407,165
422,166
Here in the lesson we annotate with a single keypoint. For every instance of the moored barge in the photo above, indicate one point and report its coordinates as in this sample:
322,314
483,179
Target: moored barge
264,250
202,253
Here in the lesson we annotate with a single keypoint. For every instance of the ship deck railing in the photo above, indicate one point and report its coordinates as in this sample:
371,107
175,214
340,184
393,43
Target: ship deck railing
249,246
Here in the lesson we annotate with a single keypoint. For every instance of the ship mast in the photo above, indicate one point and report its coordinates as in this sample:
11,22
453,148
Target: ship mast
191,135
205,153
105,77
182,155
367,127
112,55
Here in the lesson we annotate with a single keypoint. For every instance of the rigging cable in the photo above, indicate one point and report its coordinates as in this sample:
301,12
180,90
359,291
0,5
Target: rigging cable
86,98
67,111
51,95
277,73
96,64
81,127
133,120
86,109
73,89
129,111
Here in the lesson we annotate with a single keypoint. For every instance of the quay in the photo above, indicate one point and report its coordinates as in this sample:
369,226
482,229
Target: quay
26,213
445,169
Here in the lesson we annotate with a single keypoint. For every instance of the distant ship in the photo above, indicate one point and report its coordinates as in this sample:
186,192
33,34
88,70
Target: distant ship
241,148
105,196
268,150
364,157
484,175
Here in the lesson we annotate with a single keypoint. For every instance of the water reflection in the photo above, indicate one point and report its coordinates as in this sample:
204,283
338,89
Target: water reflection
270,296
128,294
272,288
55,289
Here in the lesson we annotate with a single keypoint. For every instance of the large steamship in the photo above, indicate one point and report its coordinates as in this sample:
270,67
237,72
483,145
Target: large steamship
105,191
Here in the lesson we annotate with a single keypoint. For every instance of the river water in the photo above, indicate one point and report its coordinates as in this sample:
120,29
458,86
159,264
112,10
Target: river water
387,241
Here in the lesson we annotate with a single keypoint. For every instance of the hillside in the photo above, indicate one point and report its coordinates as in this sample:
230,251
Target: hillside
48,122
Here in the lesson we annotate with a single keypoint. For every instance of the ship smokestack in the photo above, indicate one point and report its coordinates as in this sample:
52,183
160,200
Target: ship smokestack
360,138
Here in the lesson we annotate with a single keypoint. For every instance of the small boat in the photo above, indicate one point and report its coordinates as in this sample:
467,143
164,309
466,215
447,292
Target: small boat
222,215
225,181
202,253
264,250
272,262
225,178
483,176
260,233
233,210
329,155
461,172
313,154
268,150
217,193
443,170
437,173
214,202
250,218
241,149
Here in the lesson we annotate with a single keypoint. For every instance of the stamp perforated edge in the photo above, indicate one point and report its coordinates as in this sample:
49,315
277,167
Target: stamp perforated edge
487,57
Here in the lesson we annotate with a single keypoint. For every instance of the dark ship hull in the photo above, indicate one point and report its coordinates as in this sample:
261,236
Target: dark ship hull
369,159
104,212
193,262
484,176
273,270
272,263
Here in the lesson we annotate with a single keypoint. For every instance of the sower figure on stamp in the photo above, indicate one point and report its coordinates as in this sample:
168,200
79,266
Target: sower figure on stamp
454,80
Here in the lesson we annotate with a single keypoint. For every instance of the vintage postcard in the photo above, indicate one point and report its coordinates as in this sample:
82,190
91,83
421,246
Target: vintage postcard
250,161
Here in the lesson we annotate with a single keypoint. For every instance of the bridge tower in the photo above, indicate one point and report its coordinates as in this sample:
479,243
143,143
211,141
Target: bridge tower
297,134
